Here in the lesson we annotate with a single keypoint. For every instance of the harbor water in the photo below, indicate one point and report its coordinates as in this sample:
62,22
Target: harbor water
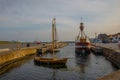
78,67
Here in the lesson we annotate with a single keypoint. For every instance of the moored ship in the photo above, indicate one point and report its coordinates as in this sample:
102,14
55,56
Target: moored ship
82,43
39,59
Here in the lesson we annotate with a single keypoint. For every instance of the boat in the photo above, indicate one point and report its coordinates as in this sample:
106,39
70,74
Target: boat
37,42
50,60
55,35
53,66
82,43
55,50
97,49
53,60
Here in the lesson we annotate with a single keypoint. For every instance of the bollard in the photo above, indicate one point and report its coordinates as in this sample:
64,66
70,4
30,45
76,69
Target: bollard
39,52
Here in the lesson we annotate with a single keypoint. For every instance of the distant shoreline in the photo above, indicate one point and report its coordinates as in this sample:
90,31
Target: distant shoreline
7,42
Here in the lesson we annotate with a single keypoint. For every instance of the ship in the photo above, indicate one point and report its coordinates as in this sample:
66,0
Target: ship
54,60
82,43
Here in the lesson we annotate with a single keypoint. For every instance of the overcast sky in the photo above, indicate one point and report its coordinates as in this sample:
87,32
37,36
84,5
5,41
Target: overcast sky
30,20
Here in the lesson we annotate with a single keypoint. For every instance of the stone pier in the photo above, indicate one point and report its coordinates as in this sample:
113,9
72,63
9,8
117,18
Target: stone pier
11,55
112,76
112,53
7,55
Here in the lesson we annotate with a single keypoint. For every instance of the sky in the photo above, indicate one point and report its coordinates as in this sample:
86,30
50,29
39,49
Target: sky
31,20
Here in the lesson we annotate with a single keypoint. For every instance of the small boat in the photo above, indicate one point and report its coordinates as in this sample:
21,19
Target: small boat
53,60
53,66
82,43
55,50
96,49
37,42
50,60
55,39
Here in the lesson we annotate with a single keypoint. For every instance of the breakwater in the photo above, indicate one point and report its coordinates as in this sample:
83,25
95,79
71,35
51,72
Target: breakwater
112,55
111,52
112,76
12,55
15,64
6,57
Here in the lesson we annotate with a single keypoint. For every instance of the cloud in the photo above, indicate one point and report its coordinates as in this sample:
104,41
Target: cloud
100,16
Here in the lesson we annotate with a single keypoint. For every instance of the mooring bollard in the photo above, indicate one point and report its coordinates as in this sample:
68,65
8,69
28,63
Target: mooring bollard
39,52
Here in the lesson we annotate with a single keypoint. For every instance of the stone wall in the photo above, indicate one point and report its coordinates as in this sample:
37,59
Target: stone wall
112,76
112,55
14,54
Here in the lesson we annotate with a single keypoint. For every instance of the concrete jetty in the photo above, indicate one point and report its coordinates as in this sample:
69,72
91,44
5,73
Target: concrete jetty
112,53
7,56
113,46
112,76
12,55
5,49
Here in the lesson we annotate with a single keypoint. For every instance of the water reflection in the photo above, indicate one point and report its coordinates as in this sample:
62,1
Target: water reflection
78,67
16,64
53,66
82,62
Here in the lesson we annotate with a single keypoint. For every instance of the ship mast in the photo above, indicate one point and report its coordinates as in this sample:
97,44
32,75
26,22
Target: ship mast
81,29
83,36
53,34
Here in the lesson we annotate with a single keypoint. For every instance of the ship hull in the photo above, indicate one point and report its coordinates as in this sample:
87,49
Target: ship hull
82,43
40,60
82,48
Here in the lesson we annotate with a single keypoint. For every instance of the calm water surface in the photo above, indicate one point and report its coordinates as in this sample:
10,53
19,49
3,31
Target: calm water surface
77,68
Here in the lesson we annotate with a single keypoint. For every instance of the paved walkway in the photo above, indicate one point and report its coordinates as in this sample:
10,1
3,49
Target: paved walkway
5,49
10,47
108,45
115,75
112,76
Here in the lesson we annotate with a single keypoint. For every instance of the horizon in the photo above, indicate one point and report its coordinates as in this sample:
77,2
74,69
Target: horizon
31,20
